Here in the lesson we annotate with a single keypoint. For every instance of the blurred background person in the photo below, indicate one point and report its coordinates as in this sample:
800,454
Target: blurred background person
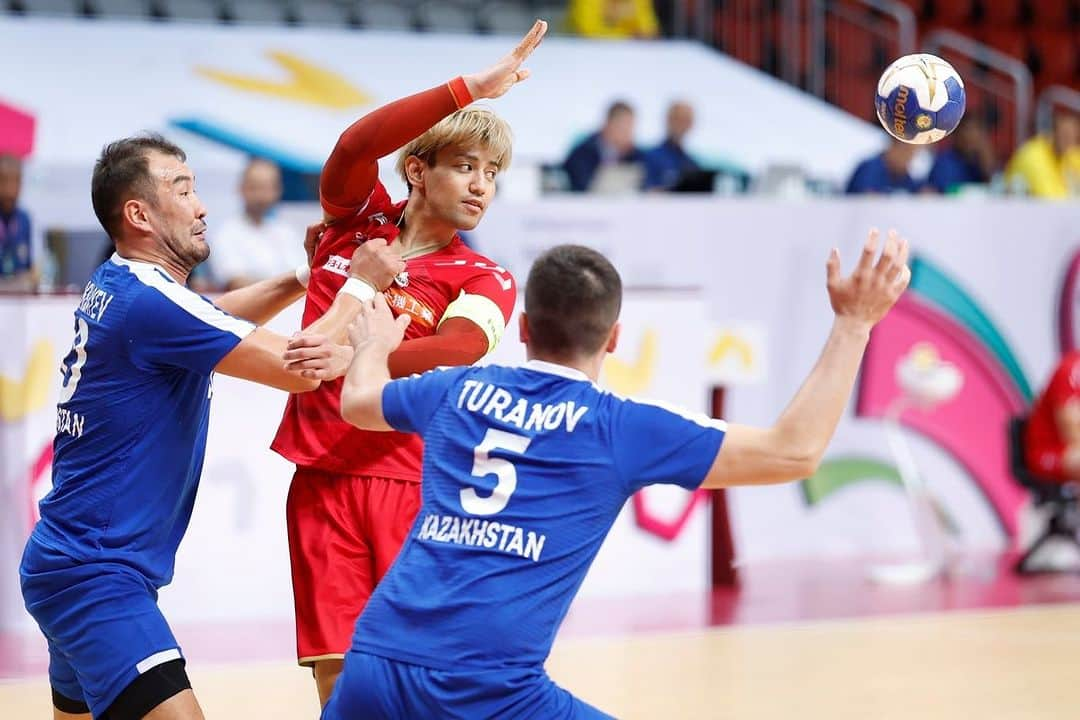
255,244
16,251
1048,165
615,19
667,163
886,172
969,160
1052,442
612,144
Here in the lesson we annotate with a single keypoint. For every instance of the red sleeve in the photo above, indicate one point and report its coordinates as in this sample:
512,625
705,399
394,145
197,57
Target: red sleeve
1044,452
458,342
352,168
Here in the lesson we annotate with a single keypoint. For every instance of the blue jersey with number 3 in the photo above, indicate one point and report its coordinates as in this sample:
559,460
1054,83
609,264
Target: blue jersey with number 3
525,470
132,418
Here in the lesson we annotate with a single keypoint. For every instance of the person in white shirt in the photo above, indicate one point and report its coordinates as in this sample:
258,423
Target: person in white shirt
255,245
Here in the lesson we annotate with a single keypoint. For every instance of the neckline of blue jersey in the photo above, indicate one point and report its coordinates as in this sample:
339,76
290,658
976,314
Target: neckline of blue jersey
556,369
116,259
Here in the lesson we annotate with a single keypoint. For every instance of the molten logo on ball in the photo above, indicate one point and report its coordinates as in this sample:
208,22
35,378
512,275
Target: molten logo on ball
920,99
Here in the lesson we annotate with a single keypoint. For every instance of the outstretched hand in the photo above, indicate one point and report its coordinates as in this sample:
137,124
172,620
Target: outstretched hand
503,75
872,288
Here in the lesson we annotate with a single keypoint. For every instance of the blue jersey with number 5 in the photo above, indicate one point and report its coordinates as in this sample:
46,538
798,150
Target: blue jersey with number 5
525,470
132,418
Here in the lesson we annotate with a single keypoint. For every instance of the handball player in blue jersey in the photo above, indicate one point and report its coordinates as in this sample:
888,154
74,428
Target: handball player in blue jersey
525,470
131,432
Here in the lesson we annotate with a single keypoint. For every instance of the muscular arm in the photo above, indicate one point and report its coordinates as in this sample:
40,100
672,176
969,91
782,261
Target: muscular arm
352,168
792,448
260,302
258,357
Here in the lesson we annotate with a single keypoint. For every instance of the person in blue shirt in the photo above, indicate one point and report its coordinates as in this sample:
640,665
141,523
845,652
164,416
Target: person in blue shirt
16,251
668,162
527,468
886,172
968,160
613,144
131,433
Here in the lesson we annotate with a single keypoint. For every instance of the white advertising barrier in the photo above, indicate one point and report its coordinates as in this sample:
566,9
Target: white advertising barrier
233,563
289,92
761,264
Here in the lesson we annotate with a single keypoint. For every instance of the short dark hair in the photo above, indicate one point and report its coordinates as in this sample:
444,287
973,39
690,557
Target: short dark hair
122,172
572,300
617,108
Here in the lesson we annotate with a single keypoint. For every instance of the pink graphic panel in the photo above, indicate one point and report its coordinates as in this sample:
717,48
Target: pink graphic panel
973,426
16,131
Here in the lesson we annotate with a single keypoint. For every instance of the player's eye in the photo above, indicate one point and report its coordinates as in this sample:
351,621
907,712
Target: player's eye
465,167
490,174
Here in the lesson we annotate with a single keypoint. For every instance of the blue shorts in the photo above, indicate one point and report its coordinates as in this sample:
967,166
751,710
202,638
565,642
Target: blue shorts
101,621
376,688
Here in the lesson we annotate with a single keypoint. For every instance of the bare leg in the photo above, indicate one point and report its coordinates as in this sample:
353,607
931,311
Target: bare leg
326,674
61,715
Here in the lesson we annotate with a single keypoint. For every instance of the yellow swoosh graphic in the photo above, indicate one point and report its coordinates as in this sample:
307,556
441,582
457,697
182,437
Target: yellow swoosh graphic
20,397
306,83
632,378
727,344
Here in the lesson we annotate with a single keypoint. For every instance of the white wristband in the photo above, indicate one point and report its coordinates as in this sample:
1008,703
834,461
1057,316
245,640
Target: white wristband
303,274
358,289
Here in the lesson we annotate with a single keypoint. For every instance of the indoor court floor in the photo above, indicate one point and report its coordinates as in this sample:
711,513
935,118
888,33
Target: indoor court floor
793,642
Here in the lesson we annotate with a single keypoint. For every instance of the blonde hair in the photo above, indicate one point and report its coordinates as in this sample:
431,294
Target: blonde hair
468,127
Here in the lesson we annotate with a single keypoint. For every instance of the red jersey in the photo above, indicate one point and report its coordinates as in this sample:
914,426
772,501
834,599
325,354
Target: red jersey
312,433
1044,448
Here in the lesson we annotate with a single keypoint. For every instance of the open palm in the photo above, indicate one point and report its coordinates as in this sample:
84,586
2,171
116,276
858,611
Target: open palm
506,73
873,288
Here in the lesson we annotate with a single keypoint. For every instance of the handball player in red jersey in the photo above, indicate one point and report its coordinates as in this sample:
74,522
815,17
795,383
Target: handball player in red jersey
355,493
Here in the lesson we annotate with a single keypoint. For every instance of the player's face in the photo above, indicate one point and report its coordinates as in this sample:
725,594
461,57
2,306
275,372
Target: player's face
461,184
1068,421
177,215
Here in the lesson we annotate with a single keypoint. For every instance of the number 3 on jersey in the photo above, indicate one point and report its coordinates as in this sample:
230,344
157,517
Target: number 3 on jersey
71,369
504,470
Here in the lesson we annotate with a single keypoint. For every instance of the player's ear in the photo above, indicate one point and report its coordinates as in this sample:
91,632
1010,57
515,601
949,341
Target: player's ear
523,328
414,171
135,213
613,338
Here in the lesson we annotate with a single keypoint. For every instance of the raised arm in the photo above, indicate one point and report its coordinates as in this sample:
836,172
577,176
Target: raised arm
351,170
374,335
793,447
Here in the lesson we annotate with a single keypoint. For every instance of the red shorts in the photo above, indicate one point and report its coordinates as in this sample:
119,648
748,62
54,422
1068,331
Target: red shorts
344,533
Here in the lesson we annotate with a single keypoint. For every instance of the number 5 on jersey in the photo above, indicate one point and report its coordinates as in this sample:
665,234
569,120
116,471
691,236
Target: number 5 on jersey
503,469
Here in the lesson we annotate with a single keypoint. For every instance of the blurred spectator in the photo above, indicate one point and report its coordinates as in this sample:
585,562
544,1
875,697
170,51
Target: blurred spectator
16,251
1052,442
255,245
968,160
612,144
613,18
886,172
668,162
1048,166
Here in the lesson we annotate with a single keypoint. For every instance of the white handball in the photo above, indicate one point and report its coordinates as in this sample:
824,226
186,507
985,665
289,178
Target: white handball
920,99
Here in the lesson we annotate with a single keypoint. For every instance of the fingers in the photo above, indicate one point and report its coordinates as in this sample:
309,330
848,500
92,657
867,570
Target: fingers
403,322
832,268
869,252
305,340
530,41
